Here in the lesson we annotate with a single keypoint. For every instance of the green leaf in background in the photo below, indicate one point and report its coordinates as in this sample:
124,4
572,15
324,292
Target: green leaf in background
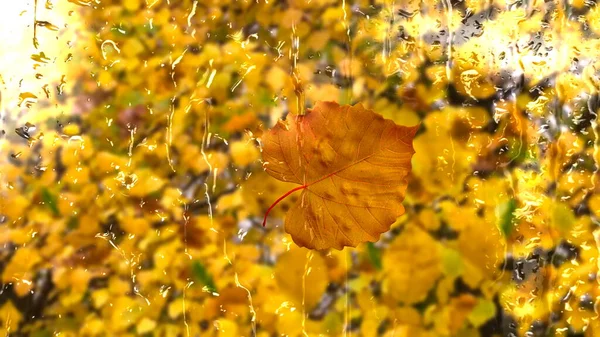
374,255
203,276
452,263
49,200
483,312
563,217
41,333
505,214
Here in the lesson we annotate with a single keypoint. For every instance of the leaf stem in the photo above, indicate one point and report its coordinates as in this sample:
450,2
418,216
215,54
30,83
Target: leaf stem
279,200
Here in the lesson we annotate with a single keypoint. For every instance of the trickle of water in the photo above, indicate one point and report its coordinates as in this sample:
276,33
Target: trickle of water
61,87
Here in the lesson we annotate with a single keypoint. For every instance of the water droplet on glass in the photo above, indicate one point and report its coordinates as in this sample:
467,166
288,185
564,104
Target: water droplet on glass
46,25
23,131
330,71
41,57
28,98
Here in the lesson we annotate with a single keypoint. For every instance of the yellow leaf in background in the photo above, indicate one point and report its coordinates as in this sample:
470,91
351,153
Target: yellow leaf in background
429,219
337,265
77,175
19,236
79,279
482,244
472,275
230,201
411,274
145,325
444,290
88,223
21,265
71,129
483,312
131,48
594,204
175,309
147,183
290,16
131,5
401,115
457,311
106,162
370,324
289,321
243,152
136,226
173,330
440,166
238,123
227,328
318,40
125,312
302,275
10,316
14,207
277,78
93,327
23,286
562,217
193,157
118,286
100,297
322,92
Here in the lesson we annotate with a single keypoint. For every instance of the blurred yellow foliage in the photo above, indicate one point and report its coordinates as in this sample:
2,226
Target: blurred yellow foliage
132,187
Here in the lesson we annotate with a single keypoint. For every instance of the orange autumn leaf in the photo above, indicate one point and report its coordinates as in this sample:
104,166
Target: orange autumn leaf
352,167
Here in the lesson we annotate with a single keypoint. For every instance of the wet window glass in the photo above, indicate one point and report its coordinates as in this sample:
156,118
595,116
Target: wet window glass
295,168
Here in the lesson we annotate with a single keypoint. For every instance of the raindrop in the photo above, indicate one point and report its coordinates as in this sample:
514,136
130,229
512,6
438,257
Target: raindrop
80,2
60,88
24,130
28,98
46,25
41,57
330,71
